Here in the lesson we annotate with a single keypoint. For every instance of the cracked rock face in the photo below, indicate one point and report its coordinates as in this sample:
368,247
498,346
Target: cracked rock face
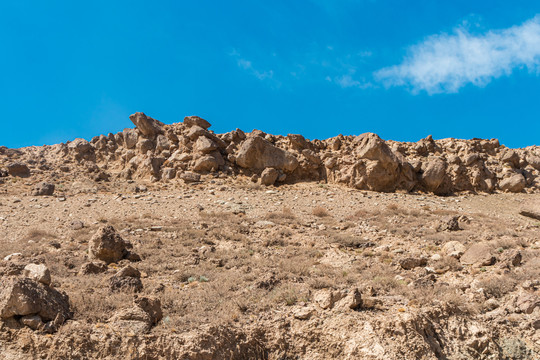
21,297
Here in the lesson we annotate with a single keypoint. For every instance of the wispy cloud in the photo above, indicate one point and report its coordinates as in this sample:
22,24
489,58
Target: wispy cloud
347,81
247,65
447,62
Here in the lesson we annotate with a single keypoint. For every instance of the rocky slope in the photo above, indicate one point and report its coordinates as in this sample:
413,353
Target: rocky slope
366,162
161,242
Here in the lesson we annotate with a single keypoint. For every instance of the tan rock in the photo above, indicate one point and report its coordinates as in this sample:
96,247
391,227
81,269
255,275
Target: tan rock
515,183
107,245
190,121
22,296
146,125
39,273
257,153
478,254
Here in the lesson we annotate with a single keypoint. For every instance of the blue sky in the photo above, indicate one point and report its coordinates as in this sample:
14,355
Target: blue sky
401,69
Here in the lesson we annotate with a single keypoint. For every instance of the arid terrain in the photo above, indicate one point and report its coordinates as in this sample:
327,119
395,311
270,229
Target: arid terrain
173,242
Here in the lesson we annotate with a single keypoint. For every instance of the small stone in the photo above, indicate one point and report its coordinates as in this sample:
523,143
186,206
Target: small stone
34,322
39,273
412,262
303,313
96,267
76,225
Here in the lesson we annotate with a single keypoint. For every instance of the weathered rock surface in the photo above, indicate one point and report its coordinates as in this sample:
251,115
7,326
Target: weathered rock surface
258,154
107,245
145,313
157,152
478,254
39,273
146,125
21,296
43,189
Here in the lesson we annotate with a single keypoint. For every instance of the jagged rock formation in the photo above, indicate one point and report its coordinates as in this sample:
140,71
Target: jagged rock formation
185,150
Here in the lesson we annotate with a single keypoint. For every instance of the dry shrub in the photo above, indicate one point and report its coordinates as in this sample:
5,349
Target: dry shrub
285,215
348,240
319,211
497,286
289,294
39,234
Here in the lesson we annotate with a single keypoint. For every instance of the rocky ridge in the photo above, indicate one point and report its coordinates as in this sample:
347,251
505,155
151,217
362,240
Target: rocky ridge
189,149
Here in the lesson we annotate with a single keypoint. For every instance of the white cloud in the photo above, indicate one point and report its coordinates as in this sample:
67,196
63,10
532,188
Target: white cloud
347,81
248,66
445,63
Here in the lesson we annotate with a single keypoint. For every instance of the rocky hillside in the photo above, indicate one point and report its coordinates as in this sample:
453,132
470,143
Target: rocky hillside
366,162
172,242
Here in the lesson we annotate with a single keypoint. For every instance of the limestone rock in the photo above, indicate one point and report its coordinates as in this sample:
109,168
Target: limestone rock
478,254
190,177
207,163
204,145
190,121
454,249
43,189
140,318
377,167
269,176
80,146
22,296
18,169
434,174
410,263
107,245
130,138
531,211
257,153
515,183
146,125
39,273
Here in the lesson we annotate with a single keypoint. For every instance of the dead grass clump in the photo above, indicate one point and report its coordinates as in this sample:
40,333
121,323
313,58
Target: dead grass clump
349,241
289,294
498,286
358,215
319,211
39,234
285,215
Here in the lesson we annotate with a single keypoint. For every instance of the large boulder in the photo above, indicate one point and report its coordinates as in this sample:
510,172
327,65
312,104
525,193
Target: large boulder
107,245
18,169
80,146
257,153
146,125
515,183
23,296
433,174
377,167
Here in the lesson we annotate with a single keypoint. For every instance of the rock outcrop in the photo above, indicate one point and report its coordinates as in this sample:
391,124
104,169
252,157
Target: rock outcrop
188,150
